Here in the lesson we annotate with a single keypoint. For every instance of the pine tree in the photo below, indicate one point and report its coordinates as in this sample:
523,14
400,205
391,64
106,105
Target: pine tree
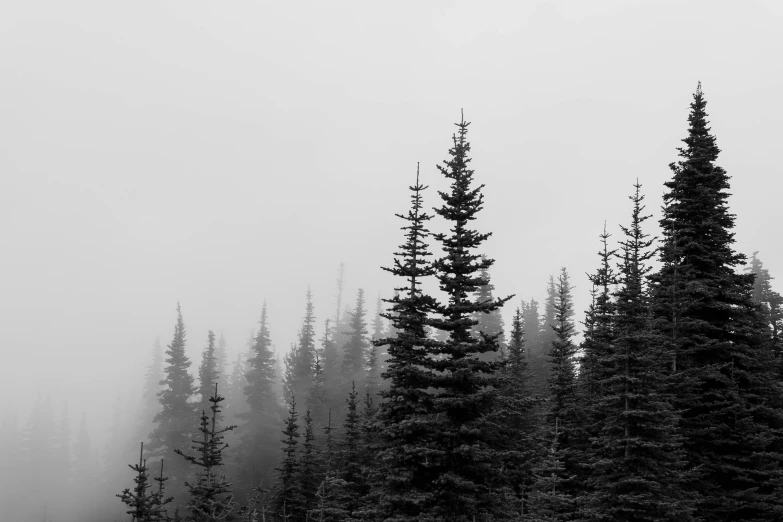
258,444
354,355
464,470
637,458
175,420
725,382
207,371
211,497
288,495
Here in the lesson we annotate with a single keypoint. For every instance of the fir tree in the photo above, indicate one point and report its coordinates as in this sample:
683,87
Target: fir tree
465,385
211,497
403,485
536,355
304,362
258,444
351,456
725,383
637,458
288,495
144,505
221,358
353,363
175,420
490,323
317,401
556,487
150,405
207,371
598,331
310,472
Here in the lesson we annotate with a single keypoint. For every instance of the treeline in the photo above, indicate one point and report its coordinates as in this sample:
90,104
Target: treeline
669,408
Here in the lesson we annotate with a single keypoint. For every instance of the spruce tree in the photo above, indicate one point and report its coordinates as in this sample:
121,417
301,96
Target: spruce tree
258,440
221,358
351,471
150,405
211,497
403,485
354,351
536,355
310,469
288,494
464,385
637,458
598,326
144,505
207,371
556,489
175,424
725,383
490,323
304,362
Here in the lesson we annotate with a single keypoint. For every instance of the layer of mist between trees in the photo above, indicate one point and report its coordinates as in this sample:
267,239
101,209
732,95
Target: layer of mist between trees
665,403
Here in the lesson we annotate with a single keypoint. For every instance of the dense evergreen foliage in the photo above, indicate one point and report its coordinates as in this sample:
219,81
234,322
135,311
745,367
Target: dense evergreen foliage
667,406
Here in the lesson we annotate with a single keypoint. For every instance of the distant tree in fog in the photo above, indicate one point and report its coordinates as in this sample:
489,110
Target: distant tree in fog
259,426
354,351
207,372
175,423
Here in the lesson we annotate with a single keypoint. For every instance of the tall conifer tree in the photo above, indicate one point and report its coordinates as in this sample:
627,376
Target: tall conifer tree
726,386
464,384
176,420
258,445
637,457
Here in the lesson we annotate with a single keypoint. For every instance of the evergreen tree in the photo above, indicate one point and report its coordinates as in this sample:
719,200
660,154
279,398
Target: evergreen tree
145,506
211,498
637,459
288,495
725,382
150,405
236,400
464,470
351,456
258,445
403,485
354,358
310,472
555,492
174,423
490,323
304,362
207,371
536,355
598,325
771,304
221,358
317,401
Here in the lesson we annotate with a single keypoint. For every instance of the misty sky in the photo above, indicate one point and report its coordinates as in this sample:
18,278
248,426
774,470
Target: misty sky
226,153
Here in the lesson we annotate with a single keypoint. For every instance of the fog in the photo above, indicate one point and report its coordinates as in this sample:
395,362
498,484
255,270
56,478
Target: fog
226,154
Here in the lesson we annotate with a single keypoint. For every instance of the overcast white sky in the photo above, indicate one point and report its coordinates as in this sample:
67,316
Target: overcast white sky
223,153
